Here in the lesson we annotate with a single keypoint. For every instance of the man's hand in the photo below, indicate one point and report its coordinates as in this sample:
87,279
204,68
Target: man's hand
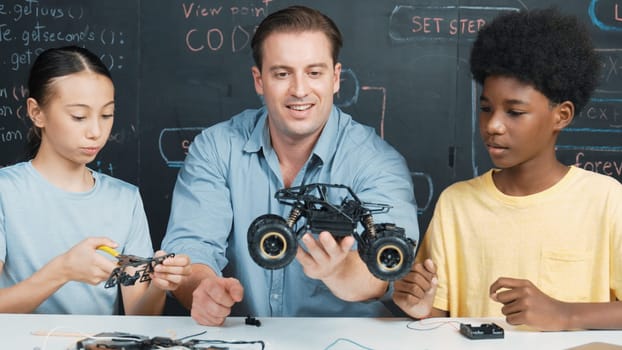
213,298
339,268
324,257
415,292
524,303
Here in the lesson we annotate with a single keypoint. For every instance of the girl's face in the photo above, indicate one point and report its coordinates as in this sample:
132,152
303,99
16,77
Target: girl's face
76,120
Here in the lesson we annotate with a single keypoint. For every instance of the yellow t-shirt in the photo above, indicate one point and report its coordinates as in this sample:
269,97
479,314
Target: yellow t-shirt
567,240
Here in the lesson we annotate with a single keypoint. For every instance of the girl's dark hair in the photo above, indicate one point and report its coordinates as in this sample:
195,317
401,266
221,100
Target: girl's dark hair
296,19
49,65
544,48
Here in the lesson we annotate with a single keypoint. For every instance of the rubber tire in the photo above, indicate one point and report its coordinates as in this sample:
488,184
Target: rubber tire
271,243
390,255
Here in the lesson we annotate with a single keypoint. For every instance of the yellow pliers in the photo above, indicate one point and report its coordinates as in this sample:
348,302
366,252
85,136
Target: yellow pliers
119,275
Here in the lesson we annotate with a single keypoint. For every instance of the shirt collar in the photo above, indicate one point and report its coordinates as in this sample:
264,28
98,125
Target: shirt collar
326,144
260,136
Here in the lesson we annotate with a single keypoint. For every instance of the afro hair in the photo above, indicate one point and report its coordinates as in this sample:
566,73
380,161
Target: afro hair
543,48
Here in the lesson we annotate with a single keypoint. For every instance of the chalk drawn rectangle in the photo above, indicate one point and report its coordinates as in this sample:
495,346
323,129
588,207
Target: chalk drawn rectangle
174,142
610,79
415,23
599,115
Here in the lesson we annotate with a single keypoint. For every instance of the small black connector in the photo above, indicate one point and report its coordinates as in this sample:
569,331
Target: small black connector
484,331
252,321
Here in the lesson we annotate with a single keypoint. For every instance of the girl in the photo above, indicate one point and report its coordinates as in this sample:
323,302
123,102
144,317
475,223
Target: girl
55,211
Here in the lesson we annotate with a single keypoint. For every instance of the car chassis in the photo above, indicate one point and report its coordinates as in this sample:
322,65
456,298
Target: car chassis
384,248
142,272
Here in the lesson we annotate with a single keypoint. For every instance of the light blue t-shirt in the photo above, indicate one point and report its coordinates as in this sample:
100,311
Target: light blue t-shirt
229,178
39,221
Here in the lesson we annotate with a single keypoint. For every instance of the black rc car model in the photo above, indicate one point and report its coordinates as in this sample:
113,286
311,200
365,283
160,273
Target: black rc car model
273,240
143,267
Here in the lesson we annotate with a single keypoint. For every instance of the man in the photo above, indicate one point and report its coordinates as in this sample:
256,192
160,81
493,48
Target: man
233,170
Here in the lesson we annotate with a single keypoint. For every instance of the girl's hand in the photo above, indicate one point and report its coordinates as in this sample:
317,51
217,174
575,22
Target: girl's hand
170,273
83,263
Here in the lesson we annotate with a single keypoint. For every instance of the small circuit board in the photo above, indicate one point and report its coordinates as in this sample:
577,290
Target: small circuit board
483,331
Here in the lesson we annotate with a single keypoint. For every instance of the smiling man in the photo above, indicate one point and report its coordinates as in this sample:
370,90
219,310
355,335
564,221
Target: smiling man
233,170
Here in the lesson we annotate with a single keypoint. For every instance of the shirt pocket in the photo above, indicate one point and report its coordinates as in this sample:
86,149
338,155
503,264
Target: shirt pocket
565,275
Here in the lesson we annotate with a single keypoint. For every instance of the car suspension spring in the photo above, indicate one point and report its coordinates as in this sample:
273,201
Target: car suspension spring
368,222
293,216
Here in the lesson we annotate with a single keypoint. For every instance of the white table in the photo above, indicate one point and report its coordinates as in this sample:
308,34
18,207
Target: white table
293,333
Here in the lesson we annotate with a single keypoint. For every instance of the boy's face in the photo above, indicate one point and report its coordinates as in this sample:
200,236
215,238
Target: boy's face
518,125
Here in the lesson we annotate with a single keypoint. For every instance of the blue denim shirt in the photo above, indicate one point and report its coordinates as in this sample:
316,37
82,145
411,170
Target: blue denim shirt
229,178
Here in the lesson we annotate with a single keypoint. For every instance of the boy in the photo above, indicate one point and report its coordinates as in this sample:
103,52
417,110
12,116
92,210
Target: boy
542,238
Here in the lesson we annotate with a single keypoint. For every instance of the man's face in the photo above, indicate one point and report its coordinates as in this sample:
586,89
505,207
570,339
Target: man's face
298,79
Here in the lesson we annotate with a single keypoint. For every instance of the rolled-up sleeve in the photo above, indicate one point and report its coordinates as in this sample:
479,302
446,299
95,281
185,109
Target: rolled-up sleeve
383,177
201,213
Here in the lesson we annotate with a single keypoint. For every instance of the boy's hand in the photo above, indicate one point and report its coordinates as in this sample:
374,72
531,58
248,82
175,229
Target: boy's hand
170,273
415,292
524,303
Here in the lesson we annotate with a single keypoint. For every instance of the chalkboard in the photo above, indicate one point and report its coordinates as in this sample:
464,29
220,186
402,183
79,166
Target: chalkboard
181,66
108,28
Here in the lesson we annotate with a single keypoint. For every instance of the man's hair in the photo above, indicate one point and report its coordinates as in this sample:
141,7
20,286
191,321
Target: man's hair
543,48
296,19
